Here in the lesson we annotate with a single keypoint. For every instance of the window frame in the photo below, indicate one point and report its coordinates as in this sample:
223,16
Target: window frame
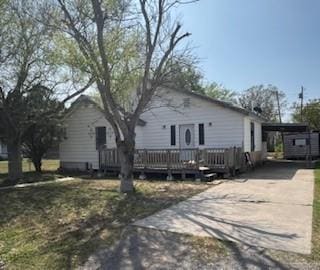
173,135
306,142
201,134
100,140
252,137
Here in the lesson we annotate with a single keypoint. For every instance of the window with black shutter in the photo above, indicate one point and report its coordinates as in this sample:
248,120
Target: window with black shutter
201,134
101,138
252,136
173,134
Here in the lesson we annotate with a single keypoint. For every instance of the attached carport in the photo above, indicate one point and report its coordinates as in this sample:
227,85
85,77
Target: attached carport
285,127
288,128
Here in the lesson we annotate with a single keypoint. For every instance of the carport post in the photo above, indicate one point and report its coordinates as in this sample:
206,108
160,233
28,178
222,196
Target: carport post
309,156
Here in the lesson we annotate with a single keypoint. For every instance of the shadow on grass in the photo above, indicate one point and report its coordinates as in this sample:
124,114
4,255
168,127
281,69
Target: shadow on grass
29,177
71,221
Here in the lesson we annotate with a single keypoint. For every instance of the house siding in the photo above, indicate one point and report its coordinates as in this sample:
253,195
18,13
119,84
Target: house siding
79,147
223,127
226,129
257,134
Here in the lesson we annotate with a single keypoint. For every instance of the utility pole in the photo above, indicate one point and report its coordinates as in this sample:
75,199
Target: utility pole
301,106
279,110
280,120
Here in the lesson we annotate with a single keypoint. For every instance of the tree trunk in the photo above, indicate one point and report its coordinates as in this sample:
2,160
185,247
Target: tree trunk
126,152
37,164
15,160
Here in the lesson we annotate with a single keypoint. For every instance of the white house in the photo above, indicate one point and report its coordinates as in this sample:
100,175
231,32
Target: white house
175,120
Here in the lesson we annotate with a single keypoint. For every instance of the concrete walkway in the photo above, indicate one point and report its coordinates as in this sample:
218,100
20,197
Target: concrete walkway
270,207
37,183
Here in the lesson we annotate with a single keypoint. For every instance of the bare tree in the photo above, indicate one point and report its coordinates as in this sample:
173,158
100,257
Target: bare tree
128,47
25,62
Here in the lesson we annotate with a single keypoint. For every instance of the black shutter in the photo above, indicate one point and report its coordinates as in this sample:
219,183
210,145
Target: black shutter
173,134
294,142
201,134
252,136
101,138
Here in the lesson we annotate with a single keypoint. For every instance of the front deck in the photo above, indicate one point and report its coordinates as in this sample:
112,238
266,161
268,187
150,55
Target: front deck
193,161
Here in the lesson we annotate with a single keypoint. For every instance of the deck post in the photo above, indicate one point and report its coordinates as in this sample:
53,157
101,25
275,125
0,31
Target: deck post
142,175
169,176
227,162
204,157
234,153
168,157
144,158
230,160
226,158
197,158
183,175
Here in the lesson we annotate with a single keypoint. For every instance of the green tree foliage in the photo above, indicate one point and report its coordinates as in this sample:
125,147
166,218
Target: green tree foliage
265,98
127,48
187,76
26,62
218,91
25,45
310,114
45,128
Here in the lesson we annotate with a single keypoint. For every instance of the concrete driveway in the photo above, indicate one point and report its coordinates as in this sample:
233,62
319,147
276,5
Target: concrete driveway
270,207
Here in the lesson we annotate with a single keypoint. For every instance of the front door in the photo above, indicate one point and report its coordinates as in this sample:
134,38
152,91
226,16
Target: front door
186,134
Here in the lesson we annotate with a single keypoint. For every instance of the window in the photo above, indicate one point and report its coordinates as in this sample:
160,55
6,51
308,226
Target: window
188,137
64,133
300,142
173,134
201,134
186,102
101,138
252,136
3,148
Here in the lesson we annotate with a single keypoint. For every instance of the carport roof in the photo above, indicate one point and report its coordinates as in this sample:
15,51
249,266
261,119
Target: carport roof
285,127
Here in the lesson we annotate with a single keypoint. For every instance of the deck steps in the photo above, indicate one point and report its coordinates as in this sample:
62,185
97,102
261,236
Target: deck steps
210,176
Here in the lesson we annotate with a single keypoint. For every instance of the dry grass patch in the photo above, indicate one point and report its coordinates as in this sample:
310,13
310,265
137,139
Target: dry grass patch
316,217
49,168
208,248
57,226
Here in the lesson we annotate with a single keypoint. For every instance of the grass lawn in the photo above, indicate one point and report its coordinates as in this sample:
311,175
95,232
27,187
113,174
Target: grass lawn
49,168
57,226
316,217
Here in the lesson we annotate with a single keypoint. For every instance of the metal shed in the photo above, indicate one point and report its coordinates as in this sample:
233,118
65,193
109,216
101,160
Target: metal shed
299,141
299,145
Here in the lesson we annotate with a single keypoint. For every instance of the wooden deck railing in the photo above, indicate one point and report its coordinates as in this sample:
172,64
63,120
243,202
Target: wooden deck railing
224,159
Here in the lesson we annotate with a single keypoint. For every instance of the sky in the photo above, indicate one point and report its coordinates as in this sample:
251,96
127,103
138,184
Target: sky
241,43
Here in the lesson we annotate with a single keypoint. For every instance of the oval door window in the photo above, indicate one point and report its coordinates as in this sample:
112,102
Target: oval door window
188,137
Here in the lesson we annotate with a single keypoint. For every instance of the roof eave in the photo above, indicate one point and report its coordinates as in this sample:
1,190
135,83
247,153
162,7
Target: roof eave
224,104
83,99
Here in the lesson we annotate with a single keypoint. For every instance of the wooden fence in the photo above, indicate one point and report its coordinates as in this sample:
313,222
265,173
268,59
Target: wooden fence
218,159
